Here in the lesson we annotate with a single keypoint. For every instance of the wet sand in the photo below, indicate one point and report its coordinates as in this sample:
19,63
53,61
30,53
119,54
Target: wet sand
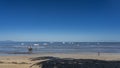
23,61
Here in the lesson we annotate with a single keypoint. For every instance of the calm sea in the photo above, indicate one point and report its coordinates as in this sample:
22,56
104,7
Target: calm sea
59,47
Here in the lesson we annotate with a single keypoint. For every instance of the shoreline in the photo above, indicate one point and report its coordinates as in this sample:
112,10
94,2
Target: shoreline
102,56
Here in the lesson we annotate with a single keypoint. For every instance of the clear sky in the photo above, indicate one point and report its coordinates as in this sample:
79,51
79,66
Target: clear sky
60,20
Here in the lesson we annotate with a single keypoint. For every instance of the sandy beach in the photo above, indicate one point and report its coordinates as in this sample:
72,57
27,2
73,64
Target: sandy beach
25,62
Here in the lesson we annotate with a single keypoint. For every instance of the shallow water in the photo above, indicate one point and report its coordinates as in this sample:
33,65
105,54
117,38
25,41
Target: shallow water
59,47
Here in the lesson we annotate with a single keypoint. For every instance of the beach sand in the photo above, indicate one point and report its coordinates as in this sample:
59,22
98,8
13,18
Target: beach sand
23,61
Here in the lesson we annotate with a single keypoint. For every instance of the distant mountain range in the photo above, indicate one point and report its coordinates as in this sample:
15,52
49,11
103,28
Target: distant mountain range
7,41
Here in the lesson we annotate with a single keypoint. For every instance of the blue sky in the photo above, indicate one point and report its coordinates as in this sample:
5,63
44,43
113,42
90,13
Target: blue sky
60,20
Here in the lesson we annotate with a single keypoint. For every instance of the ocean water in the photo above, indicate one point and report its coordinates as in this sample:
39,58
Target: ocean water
59,47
